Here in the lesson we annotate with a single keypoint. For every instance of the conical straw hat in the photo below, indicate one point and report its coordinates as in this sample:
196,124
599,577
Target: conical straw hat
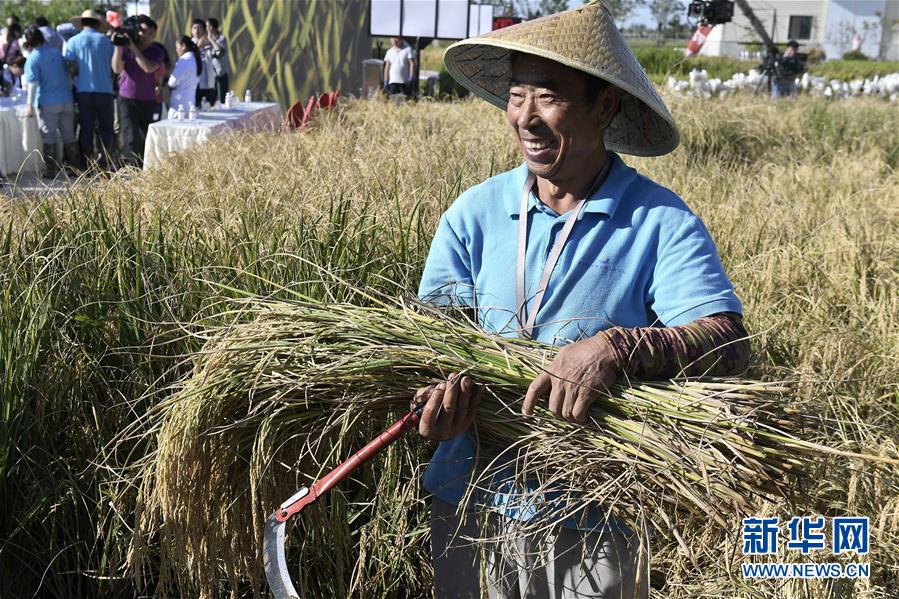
585,39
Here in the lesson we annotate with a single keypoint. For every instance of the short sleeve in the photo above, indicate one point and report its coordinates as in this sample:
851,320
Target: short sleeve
447,278
688,281
32,70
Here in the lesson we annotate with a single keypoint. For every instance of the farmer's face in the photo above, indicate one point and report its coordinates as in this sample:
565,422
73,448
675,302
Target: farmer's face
559,131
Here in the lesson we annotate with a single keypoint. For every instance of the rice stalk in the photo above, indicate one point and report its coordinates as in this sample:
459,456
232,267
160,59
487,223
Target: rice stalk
294,386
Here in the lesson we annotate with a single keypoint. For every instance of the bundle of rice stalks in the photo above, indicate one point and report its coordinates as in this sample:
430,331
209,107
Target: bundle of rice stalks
297,385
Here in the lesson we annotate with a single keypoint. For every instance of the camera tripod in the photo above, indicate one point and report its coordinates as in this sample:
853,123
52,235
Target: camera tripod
769,72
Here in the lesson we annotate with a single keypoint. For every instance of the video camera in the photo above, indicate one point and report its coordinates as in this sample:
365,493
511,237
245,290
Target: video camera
712,12
130,29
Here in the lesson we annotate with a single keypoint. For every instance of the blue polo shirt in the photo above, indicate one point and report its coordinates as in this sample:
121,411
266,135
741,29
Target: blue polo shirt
93,52
46,67
637,257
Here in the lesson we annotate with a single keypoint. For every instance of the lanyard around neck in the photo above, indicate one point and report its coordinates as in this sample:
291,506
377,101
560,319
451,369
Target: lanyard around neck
528,318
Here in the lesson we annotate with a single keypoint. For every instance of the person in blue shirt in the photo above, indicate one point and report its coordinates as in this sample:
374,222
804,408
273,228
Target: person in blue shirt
50,90
92,52
572,248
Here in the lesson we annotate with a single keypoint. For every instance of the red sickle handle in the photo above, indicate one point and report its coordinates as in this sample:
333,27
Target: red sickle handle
306,496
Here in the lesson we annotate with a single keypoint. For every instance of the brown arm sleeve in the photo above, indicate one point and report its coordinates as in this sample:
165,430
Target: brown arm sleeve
715,345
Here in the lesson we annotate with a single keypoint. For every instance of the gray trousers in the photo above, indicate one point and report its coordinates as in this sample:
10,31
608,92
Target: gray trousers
55,117
562,564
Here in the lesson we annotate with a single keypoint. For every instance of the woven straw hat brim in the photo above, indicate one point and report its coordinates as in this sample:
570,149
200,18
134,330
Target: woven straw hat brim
89,14
585,39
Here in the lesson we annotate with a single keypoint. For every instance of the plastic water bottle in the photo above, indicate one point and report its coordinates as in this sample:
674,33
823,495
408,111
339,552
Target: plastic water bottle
192,114
180,115
247,97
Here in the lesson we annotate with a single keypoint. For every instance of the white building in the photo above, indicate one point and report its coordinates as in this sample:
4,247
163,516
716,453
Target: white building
836,26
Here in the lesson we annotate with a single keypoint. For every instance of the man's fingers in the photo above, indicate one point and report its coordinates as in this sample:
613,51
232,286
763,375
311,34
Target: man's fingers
451,396
463,405
538,387
571,394
420,395
427,424
584,400
557,398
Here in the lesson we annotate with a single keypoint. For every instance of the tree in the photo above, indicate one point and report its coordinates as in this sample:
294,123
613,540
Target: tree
662,11
621,9
56,11
549,7
530,9
678,29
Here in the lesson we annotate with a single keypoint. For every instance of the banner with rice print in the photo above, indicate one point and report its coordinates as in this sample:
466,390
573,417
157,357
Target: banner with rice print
282,50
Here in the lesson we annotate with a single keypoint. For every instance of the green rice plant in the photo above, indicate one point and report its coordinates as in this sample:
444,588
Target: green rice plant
847,70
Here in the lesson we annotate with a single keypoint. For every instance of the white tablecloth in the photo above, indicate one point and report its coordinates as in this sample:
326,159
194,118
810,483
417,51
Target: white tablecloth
165,137
20,140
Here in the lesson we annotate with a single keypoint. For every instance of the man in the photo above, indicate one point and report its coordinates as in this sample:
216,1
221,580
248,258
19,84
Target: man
577,249
399,65
206,89
136,66
787,69
51,38
92,53
221,66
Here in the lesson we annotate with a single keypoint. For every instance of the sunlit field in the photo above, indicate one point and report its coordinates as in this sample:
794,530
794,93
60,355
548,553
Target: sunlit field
108,290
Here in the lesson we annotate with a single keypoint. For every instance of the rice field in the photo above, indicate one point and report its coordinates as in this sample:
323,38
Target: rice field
110,289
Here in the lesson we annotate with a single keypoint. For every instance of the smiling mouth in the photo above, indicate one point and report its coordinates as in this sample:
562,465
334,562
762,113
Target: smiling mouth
536,146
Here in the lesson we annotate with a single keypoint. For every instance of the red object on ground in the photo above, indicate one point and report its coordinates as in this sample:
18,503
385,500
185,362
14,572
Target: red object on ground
328,100
298,116
311,108
699,37
294,117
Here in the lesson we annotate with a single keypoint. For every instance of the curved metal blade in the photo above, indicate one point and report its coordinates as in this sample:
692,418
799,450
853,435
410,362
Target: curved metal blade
274,560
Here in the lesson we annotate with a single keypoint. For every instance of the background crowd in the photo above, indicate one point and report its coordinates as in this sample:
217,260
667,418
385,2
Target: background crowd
98,83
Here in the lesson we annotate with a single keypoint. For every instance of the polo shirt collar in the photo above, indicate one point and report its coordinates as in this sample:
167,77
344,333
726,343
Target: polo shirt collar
604,200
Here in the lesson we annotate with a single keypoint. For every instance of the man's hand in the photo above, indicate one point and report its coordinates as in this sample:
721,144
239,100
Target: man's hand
574,379
29,111
450,409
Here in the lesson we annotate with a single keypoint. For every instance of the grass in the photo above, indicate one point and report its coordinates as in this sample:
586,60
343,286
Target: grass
107,288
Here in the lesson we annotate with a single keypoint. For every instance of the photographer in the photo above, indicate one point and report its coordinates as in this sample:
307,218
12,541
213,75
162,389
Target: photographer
136,60
789,66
